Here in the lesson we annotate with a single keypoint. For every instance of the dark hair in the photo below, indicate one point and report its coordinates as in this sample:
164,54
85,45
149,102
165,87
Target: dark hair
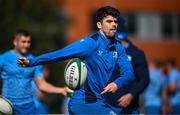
105,11
21,32
171,61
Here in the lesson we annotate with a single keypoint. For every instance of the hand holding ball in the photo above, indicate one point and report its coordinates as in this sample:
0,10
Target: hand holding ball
75,74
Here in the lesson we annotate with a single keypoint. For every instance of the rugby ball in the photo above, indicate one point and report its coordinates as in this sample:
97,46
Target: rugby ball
75,73
5,106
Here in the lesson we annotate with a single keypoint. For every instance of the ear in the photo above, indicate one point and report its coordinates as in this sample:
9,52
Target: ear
99,25
15,42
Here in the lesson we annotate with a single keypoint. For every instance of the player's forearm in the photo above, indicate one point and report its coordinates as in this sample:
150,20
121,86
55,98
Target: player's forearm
75,50
46,58
48,88
126,71
126,76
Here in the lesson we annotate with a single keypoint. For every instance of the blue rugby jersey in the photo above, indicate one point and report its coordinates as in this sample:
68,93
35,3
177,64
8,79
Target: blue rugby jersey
174,77
17,80
100,56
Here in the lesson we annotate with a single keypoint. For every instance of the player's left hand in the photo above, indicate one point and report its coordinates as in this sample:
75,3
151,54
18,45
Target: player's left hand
23,61
111,87
125,100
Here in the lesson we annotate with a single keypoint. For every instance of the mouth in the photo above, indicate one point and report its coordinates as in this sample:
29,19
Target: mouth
113,30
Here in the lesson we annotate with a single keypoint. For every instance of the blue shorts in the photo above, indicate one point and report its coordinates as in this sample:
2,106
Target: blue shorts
80,107
25,109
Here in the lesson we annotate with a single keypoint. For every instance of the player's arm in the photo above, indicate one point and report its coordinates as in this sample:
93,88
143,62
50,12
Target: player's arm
45,86
165,103
126,70
142,72
79,49
172,85
126,73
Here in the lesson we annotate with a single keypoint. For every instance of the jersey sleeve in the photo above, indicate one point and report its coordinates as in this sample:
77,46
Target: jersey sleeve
79,49
38,71
126,71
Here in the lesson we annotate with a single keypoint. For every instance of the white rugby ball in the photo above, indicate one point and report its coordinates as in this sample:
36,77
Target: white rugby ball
75,74
5,106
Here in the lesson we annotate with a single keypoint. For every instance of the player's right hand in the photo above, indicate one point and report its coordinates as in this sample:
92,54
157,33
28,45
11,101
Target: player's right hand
110,88
23,61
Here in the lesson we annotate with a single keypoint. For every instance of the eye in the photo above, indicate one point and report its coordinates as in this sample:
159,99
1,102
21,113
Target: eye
109,21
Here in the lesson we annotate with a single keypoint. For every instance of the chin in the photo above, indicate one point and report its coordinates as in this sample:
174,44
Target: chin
110,36
24,52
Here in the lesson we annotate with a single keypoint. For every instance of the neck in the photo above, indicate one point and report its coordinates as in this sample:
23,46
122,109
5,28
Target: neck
16,51
108,38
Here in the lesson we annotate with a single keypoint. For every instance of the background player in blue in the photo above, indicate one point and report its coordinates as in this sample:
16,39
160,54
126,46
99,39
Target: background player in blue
101,53
155,92
129,99
17,80
173,84
39,96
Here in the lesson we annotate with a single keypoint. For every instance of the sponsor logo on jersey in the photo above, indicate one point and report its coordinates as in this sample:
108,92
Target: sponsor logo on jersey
99,52
115,54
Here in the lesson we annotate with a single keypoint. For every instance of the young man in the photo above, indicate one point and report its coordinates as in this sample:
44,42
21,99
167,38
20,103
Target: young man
101,53
155,96
129,99
17,80
173,86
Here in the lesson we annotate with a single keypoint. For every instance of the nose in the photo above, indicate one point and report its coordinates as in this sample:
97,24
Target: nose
27,45
114,24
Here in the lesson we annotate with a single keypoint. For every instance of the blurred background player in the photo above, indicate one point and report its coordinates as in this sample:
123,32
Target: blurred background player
64,107
130,100
101,53
39,96
17,81
173,84
154,96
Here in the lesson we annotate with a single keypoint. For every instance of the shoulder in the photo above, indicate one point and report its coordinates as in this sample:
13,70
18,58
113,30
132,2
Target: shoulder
29,55
6,54
95,36
174,73
138,52
120,47
92,39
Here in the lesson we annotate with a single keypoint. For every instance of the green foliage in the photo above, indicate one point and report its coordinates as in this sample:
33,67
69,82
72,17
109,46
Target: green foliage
43,18
46,22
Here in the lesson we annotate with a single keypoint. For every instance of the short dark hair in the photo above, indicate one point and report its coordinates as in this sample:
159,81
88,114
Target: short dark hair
21,32
105,11
171,62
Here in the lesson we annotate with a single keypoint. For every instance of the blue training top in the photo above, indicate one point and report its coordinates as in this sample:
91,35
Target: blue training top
17,80
152,95
174,77
100,56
